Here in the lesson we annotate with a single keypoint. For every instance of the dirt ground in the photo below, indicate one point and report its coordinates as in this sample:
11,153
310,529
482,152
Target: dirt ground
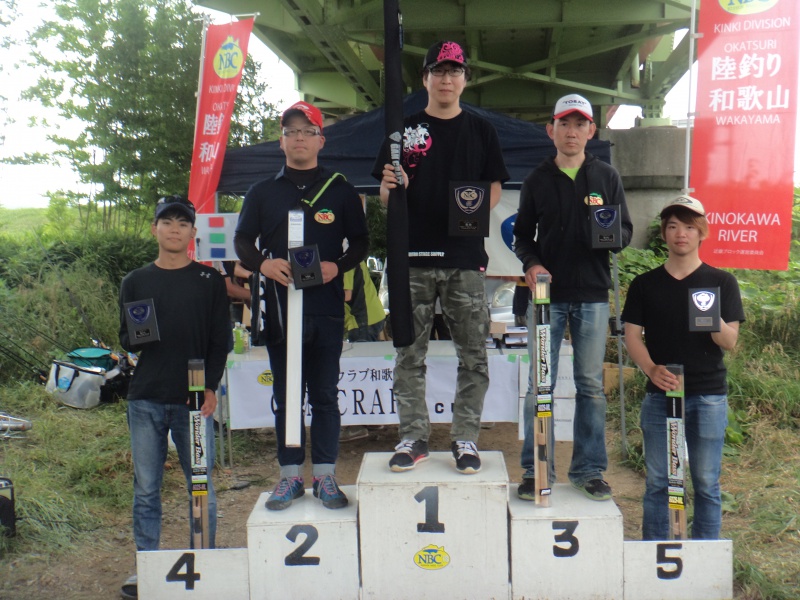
97,570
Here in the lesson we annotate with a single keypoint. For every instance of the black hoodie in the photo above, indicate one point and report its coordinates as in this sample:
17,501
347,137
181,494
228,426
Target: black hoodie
557,207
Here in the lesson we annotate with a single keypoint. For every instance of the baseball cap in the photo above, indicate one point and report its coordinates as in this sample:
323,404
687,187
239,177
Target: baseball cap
442,52
178,203
687,202
309,111
573,103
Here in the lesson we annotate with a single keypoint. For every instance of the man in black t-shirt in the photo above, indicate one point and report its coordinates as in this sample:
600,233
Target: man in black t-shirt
191,311
443,143
333,213
657,306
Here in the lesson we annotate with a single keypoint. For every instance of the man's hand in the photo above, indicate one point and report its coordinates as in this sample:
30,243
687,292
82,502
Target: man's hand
662,378
530,276
389,182
278,269
329,270
209,404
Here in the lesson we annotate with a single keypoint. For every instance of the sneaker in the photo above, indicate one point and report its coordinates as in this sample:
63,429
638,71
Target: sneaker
466,456
130,589
352,433
407,454
286,490
527,489
327,490
595,489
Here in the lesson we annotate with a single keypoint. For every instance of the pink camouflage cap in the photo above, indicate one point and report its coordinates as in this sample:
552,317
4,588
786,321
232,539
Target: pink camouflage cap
442,52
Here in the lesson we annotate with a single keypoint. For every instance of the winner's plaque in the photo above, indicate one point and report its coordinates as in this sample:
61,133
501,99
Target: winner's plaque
469,206
606,227
704,311
140,319
306,270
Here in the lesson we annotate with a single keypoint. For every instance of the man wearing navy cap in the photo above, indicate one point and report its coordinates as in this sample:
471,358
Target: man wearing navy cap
552,236
443,144
191,312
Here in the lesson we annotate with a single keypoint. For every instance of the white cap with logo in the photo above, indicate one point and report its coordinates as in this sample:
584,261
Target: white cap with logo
687,202
573,103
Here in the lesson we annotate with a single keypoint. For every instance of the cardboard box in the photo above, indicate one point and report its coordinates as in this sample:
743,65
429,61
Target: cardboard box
611,376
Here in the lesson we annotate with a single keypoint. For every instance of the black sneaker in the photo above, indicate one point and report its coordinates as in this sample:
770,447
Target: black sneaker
407,454
595,489
327,490
466,456
286,490
527,489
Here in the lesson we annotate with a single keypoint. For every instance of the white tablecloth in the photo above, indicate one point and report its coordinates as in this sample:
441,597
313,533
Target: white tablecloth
365,385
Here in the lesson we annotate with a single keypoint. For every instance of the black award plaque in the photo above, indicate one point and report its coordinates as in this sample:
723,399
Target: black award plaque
469,206
306,270
140,319
606,227
704,311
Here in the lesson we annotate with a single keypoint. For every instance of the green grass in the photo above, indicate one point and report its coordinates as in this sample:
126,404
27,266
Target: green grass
19,221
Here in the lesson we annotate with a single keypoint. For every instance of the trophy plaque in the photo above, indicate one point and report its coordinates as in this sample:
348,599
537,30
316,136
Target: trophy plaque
306,270
140,318
468,208
704,311
606,227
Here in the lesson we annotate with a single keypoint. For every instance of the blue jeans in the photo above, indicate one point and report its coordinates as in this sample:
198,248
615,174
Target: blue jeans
322,348
588,324
705,420
149,424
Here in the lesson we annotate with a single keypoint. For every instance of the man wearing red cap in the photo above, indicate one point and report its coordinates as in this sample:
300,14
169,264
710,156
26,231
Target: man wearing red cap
658,303
441,144
332,214
552,236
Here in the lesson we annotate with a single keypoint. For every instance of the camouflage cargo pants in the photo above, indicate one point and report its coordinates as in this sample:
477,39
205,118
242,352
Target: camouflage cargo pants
462,297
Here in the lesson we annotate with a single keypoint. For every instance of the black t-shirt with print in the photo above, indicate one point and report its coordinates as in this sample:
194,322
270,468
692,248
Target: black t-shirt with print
436,152
660,303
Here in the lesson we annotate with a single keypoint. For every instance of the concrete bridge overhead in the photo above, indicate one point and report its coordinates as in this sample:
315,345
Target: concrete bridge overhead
525,54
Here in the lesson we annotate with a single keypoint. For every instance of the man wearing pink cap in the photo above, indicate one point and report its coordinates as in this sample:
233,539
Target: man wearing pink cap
552,236
332,214
443,144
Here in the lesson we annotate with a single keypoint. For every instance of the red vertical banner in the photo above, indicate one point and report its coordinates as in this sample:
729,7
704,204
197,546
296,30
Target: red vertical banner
224,54
744,130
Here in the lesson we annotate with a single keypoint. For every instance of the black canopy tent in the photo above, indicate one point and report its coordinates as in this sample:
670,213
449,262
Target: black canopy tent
352,144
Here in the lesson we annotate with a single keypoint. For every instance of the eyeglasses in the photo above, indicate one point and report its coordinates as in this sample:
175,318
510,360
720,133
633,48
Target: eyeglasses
304,132
441,71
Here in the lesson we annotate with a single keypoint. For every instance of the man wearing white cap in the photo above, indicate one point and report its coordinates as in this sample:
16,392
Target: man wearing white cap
658,304
552,236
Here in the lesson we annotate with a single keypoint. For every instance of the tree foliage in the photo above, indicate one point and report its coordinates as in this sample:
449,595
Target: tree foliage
128,70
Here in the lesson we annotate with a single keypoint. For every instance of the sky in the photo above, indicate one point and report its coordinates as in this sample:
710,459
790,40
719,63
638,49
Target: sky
26,186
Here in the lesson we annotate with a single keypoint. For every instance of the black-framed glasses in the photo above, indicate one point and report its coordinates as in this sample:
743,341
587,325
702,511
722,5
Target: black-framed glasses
303,131
442,71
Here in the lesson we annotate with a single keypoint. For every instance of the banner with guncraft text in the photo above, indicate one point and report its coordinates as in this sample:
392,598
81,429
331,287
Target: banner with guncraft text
744,131
224,55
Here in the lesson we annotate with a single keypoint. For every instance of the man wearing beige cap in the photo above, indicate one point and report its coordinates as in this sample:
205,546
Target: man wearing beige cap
659,303
552,236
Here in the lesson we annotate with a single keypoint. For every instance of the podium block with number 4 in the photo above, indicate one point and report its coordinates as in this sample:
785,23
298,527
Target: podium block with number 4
196,574
689,570
305,551
570,549
432,532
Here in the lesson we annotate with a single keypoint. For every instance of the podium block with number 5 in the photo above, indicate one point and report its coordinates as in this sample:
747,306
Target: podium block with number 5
432,532
689,570
570,549
305,551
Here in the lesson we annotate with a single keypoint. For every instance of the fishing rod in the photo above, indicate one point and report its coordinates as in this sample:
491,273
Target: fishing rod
31,356
21,321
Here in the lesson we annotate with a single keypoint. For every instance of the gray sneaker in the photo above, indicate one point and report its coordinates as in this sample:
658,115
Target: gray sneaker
407,454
